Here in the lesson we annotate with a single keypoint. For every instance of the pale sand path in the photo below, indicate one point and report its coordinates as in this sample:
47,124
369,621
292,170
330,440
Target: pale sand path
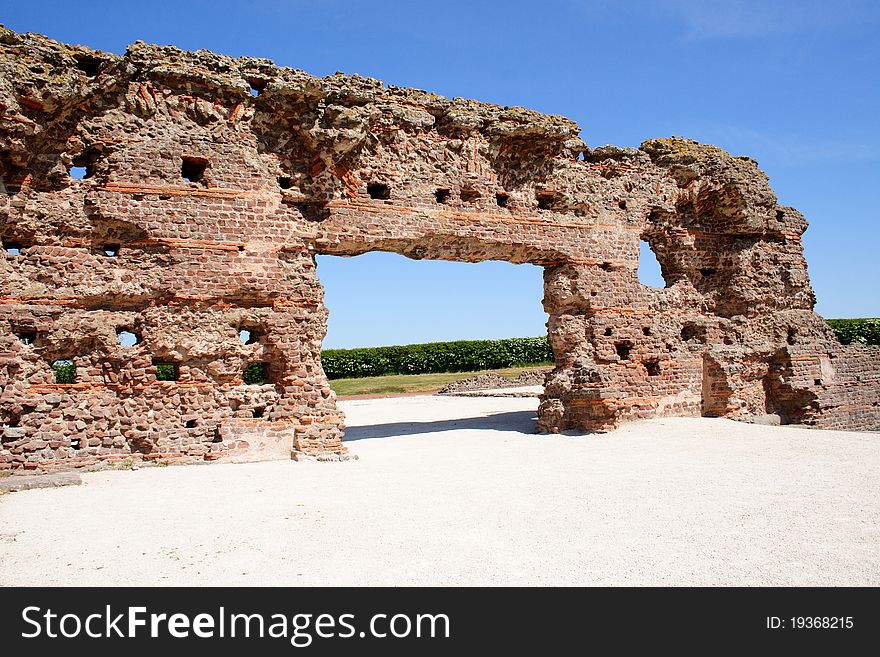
474,501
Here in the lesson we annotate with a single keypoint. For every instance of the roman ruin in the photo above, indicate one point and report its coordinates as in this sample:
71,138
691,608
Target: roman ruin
161,213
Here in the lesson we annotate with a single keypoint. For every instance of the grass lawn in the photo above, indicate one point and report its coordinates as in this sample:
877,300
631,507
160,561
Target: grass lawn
412,383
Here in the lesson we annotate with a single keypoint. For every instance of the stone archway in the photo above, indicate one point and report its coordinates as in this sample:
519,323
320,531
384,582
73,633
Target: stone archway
203,207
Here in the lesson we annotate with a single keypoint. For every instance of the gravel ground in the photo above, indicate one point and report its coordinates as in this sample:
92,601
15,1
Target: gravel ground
474,501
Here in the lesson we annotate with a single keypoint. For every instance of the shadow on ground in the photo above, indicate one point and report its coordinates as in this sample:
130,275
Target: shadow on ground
520,421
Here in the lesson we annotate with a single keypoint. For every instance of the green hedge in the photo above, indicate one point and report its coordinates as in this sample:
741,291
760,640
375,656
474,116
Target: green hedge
865,331
255,374
167,372
65,371
460,356
473,355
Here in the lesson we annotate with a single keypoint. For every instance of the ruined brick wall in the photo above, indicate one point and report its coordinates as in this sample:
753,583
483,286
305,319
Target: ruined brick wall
211,184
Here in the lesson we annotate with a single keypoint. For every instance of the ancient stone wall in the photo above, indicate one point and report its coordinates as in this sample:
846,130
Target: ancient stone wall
211,184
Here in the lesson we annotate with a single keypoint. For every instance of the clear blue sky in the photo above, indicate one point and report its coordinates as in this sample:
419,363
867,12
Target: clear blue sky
793,83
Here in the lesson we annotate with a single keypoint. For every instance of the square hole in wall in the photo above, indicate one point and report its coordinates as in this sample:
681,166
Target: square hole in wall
13,419
12,247
501,199
78,173
83,165
623,349
285,182
652,367
378,190
442,195
91,66
193,169
691,332
109,250
248,336
545,200
27,336
256,373
167,371
190,424
65,371
258,412
127,338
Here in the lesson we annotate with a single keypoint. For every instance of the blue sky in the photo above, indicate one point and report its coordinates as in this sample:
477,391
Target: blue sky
794,84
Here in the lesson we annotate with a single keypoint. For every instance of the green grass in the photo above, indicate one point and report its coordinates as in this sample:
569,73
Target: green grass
417,383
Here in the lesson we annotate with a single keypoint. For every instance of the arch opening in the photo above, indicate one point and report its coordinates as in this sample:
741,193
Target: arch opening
383,302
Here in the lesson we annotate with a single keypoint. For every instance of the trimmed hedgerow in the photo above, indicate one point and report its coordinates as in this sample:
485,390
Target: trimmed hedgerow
434,357
864,331
167,371
255,374
65,371
473,355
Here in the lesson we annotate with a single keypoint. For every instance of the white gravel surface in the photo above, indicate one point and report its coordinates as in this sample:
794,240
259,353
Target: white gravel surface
474,501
